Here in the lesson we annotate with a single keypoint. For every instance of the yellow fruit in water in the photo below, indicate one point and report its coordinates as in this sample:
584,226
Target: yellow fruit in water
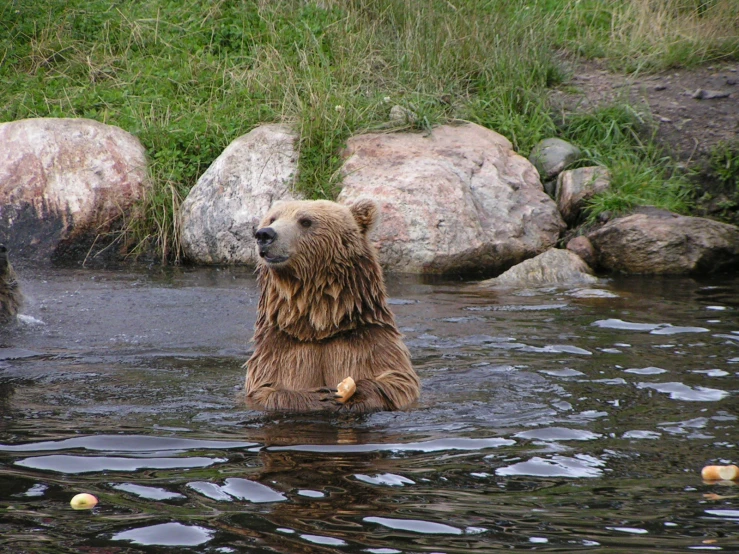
720,473
83,501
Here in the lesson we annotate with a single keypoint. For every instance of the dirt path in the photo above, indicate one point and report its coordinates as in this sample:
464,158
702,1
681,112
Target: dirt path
693,108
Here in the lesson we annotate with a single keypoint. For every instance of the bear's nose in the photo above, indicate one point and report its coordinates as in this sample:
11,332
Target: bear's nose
265,236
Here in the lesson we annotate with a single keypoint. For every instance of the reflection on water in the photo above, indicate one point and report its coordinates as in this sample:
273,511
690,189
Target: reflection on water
557,420
166,534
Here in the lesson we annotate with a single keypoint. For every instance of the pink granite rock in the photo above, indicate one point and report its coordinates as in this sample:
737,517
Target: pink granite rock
64,184
456,200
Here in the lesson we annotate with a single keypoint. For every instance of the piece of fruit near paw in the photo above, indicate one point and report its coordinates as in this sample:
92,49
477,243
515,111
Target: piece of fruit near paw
720,473
346,389
83,501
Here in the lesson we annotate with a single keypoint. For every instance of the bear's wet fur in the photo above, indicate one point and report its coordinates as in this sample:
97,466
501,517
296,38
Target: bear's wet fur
323,314
11,298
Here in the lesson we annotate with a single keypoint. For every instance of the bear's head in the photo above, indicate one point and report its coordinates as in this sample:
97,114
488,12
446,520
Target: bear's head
303,236
318,271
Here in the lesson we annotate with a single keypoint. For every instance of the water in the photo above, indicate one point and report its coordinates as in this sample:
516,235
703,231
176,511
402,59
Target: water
550,420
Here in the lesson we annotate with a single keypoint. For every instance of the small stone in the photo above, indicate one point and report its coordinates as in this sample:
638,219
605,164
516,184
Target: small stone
584,248
576,186
551,156
550,187
399,113
660,87
701,94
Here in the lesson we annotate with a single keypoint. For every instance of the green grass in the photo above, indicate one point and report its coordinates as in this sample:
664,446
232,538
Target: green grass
188,77
618,137
724,164
723,194
649,35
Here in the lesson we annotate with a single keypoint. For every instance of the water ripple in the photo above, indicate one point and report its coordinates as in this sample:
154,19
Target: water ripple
415,525
680,391
428,446
387,479
125,443
88,464
558,434
167,534
557,466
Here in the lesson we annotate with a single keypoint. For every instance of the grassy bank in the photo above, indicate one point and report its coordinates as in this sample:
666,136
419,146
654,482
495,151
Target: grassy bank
189,77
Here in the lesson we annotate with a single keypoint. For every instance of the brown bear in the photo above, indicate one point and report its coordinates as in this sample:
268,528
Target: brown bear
323,315
11,298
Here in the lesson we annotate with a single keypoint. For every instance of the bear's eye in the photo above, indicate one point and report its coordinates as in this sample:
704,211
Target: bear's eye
305,222
272,220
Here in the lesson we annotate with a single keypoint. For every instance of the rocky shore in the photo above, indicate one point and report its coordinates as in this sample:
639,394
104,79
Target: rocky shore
457,200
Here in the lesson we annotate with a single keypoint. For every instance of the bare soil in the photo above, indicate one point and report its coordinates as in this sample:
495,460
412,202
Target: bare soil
692,109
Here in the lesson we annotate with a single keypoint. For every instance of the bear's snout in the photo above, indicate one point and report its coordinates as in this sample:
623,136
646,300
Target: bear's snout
269,249
265,236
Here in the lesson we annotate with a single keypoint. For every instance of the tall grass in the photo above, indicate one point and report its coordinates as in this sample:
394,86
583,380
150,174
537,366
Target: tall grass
651,34
619,137
189,77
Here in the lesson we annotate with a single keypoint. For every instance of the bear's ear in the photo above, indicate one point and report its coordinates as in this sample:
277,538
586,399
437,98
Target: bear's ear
365,212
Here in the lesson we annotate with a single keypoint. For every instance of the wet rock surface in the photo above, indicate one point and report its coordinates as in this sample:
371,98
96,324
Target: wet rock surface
660,242
555,267
65,184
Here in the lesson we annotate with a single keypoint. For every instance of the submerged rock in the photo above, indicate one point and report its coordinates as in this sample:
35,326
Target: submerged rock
661,242
222,211
65,184
456,200
553,267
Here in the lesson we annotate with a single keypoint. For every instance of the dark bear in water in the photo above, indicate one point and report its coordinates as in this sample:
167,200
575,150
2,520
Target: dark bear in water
10,293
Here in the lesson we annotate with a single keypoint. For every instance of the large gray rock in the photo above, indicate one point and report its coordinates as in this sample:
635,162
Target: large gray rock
552,156
457,200
554,267
576,186
65,184
221,213
660,242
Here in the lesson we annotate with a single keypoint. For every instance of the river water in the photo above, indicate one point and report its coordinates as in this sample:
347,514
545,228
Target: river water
551,420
